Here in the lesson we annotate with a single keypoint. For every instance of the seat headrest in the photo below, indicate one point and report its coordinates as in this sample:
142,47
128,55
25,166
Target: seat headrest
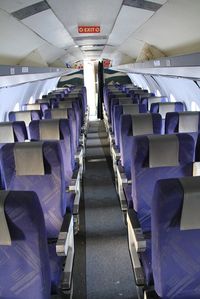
49,129
142,124
72,96
32,106
190,217
59,113
166,107
65,104
5,238
188,122
153,100
43,101
125,100
23,115
28,158
131,109
163,150
6,133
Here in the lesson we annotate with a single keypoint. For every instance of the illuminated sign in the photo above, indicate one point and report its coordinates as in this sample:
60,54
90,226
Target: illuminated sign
89,29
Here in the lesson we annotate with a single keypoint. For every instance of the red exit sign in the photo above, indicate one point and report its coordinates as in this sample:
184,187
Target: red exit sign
89,29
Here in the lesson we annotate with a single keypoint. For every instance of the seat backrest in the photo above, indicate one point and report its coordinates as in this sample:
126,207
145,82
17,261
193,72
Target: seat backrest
72,116
155,157
175,238
124,109
182,122
148,101
36,106
65,104
131,126
56,129
26,116
163,108
28,107
12,132
37,166
117,101
25,269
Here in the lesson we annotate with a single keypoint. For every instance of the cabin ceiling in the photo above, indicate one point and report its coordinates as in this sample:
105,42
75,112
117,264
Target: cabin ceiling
46,32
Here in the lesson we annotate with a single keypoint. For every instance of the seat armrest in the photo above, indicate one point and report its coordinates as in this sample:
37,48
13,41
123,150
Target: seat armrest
111,137
135,231
82,138
196,168
122,179
75,182
64,237
115,153
79,153
76,203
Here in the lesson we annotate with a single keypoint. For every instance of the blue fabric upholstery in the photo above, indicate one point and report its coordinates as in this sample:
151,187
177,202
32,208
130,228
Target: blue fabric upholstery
35,114
20,132
147,263
50,187
127,139
72,125
18,128
42,107
113,103
24,266
64,139
118,111
144,177
172,122
147,101
175,253
56,265
178,107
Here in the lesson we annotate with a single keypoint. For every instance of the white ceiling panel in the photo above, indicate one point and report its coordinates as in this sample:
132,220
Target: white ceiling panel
17,41
87,48
131,47
129,20
87,12
14,5
174,28
109,49
50,53
76,53
70,58
52,30
91,42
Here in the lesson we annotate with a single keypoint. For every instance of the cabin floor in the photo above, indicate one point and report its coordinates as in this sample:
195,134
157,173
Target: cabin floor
102,266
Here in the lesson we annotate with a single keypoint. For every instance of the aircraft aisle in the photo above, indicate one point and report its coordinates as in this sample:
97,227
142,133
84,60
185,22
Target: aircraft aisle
102,264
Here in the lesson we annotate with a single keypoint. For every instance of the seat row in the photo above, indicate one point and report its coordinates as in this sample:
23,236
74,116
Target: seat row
39,216
159,189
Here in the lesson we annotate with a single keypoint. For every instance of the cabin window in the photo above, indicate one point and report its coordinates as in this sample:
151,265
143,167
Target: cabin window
31,101
16,107
157,93
172,98
194,106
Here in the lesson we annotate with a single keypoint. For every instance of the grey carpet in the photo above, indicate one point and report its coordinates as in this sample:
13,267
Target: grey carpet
106,261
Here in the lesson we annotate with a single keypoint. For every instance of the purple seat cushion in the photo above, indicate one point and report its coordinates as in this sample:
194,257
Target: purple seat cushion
147,263
25,270
56,265
175,253
50,187
144,178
